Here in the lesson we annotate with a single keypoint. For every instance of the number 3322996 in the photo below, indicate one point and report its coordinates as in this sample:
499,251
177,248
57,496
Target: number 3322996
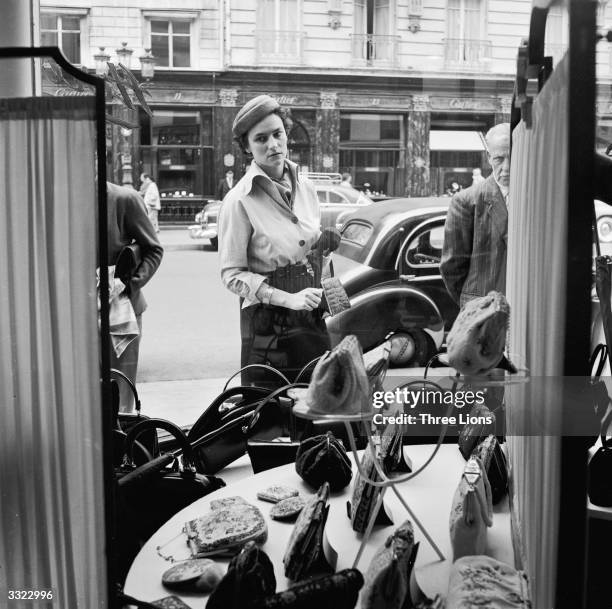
30,595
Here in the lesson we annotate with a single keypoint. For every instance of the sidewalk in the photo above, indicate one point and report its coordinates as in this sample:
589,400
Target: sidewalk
176,238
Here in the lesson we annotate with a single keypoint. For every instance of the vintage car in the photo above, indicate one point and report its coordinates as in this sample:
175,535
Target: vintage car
388,261
336,201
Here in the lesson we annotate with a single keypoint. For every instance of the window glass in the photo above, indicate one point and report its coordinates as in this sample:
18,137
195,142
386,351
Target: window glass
426,247
71,23
335,197
159,26
371,128
159,48
48,39
175,128
71,46
357,233
48,22
180,27
322,196
180,52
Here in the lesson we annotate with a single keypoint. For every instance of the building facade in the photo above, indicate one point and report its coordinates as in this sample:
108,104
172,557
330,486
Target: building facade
396,92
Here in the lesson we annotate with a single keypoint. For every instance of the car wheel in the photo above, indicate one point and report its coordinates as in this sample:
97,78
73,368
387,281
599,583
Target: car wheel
411,348
215,243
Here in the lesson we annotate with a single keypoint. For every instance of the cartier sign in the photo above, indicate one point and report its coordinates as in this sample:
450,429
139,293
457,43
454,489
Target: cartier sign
463,103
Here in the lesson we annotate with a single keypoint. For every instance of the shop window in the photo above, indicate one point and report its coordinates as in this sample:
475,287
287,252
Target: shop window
372,128
63,31
300,150
171,42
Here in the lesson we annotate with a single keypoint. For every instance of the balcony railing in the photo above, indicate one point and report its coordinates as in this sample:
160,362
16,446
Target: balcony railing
374,50
466,53
276,47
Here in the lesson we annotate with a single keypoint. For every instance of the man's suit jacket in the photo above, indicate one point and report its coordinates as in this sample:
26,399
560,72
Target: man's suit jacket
128,222
223,188
475,241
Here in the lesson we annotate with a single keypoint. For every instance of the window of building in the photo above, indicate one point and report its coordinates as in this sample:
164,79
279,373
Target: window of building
176,149
372,151
278,35
171,42
63,31
466,31
374,28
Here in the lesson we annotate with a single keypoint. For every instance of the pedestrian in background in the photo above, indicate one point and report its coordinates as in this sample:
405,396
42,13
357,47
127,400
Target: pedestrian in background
268,224
225,185
150,193
474,253
128,224
477,176
347,180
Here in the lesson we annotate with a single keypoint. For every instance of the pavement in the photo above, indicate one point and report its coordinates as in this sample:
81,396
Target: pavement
183,401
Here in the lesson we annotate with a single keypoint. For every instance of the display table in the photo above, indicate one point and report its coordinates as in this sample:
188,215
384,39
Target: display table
430,496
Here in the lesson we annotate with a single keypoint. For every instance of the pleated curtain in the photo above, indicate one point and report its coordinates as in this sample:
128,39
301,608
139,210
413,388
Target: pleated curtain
51,489
536,286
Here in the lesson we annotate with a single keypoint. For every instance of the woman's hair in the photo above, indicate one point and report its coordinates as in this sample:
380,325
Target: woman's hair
285,116
146,175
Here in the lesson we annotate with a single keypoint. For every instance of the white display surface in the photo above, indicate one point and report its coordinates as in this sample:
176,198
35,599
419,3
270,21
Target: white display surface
429,495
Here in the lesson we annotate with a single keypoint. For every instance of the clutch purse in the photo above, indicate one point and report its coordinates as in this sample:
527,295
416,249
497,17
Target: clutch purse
472,512
335,299
475,343
127,262
387,580
249,578
304,549
473,433
337,591
365,495
339,383
482,581
494,463
323,459
231,523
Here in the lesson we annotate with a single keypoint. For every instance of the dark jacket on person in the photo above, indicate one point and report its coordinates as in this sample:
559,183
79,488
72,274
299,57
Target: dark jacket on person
128,223
475,235
223,188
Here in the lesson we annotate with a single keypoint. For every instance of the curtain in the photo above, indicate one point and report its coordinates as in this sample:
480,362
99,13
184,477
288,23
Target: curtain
51,487
382,18
536,285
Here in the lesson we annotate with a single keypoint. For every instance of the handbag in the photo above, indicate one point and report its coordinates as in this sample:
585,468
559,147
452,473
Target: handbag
323,459
482,581
127,262
387,580
150,494
471,512
337,591
495,465
220,434
473,434
339,383
249,578
305,549
600,469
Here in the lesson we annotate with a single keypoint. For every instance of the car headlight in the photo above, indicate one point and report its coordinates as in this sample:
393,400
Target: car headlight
604,229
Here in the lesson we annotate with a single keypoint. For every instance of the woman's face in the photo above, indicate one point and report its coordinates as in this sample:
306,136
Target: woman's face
267,142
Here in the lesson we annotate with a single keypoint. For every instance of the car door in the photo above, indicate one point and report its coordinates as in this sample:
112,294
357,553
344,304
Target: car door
418,265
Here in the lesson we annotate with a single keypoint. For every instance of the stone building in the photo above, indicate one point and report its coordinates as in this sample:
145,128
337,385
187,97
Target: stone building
396,92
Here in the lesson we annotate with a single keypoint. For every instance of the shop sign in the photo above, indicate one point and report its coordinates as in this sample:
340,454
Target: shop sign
291,99
463,104
71,93
365,101
178,167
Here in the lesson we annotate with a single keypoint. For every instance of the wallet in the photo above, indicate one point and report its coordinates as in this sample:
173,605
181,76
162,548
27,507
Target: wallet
305,547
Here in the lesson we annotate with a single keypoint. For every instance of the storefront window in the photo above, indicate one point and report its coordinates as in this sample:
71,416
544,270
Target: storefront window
371,150
176,149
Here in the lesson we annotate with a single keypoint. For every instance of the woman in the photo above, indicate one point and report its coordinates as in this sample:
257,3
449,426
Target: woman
268,224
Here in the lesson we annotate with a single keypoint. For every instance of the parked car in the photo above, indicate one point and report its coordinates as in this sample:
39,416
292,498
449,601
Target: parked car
388,261
336,201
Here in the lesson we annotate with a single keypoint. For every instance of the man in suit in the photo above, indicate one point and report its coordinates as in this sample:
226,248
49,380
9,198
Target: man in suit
474,253
129,223
225,185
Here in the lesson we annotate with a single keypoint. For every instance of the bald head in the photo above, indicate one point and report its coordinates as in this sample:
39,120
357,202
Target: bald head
498,150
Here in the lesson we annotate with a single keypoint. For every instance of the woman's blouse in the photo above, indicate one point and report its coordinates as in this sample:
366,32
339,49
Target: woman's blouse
260,232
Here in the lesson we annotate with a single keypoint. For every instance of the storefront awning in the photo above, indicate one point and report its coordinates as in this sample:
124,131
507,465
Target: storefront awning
456,140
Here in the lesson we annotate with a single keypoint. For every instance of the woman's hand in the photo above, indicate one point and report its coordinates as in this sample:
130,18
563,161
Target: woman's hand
306,300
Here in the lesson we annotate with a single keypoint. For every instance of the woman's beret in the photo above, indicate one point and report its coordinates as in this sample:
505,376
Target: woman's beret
252,112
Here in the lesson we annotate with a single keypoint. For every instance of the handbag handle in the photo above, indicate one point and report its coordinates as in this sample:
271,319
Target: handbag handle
117,373
276,393
146,470
264,366
168,426
599,355
310,363
604,428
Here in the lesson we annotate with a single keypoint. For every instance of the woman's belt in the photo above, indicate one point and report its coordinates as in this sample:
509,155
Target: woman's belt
291,278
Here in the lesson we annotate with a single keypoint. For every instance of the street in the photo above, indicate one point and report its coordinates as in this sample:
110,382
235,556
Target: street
191,325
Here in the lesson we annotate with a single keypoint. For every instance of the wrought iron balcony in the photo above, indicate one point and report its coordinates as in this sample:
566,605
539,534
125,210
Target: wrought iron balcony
276,47
374,50
466,53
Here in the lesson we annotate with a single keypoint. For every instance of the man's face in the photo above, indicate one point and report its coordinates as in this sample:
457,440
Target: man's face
499,159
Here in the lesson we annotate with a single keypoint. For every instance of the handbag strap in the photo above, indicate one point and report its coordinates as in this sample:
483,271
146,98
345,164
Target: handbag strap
264,366
305,368
604,428
272,396
168,426
598,356
118,374
146,470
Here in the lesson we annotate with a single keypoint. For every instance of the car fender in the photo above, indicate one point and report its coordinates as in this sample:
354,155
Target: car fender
386,308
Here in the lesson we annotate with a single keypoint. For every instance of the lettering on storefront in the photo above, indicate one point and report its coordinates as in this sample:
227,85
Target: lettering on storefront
178,95
375,101
286,100
362,101
463,103
71,93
